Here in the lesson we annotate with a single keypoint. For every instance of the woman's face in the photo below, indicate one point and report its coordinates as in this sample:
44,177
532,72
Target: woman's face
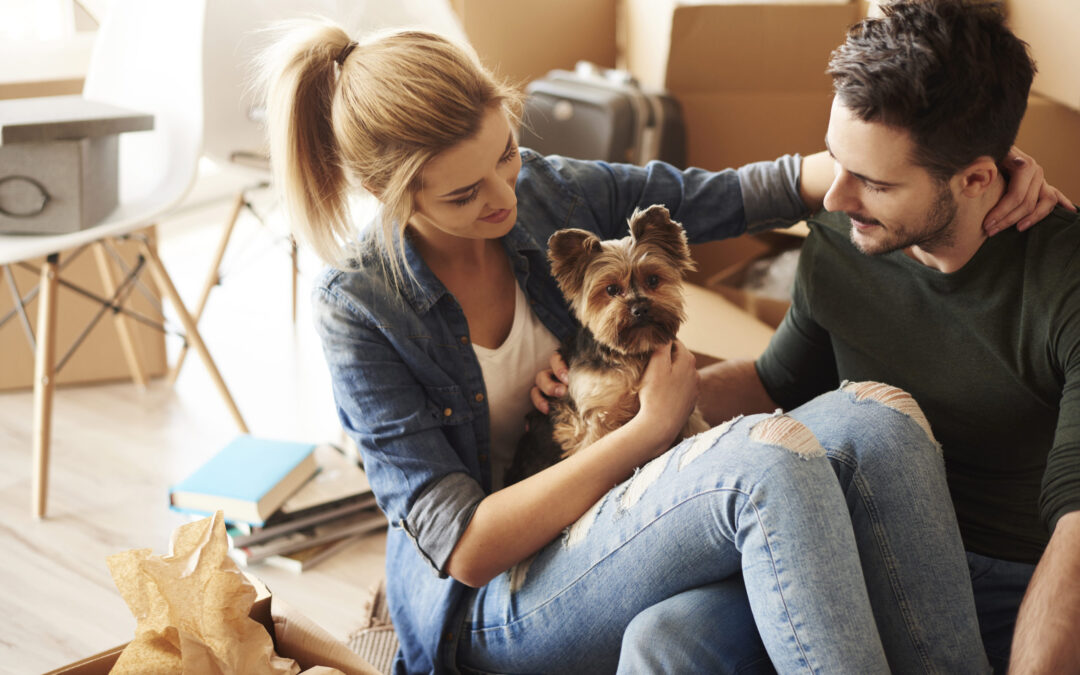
468,190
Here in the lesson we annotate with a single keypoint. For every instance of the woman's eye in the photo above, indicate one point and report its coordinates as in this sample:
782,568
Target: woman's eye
509,155
466,199
612,290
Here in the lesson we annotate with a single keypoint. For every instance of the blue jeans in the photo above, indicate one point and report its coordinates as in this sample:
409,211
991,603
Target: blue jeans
858,575
999,587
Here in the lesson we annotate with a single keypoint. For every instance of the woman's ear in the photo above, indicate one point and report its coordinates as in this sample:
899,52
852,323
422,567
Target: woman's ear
978,176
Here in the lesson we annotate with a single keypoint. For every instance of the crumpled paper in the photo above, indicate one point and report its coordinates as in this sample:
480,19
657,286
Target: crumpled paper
191,609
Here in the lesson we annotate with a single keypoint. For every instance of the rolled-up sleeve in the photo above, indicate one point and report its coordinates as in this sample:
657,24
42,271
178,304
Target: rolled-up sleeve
770,193
440,515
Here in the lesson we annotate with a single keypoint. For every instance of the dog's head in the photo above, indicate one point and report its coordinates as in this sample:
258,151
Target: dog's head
627,291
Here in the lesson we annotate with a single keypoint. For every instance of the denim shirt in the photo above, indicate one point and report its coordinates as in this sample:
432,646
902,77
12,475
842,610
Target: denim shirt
408,386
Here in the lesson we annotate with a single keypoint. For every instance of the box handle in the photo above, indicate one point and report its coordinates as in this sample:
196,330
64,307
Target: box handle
29,213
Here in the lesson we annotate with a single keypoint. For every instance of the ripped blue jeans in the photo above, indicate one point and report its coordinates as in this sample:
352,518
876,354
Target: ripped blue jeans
864,574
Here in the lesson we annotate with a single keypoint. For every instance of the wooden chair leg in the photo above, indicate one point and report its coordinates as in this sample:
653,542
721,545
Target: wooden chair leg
192,331
122,323
44,372
213,277
295,273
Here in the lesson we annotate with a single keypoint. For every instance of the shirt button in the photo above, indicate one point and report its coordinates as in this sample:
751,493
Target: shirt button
448,412
479,398
464,339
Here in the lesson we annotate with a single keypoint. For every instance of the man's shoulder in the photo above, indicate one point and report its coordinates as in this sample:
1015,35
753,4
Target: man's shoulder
1060,228
831,225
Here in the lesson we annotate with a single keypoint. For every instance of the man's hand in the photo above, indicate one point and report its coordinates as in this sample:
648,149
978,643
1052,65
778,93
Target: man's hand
1028,198
550,383
1046,639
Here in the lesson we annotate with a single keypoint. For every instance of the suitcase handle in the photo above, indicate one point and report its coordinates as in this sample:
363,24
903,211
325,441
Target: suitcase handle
589,70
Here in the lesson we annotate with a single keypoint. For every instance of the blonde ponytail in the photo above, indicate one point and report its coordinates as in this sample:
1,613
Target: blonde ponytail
398,99
305,158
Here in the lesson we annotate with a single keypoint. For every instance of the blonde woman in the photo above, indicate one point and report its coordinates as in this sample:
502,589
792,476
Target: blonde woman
435,319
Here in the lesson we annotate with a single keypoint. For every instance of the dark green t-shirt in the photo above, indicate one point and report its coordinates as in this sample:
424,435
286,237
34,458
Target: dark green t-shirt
991,352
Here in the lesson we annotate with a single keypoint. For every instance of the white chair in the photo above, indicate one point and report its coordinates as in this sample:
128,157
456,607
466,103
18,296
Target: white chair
147,57
234,136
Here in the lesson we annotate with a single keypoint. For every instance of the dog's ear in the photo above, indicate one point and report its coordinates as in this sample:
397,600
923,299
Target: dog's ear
570,252
654,227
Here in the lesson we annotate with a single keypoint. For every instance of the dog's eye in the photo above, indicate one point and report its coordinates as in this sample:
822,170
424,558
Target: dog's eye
613,290
652,281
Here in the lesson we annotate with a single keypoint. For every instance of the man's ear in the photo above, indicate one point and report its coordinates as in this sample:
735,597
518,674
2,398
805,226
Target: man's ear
978,176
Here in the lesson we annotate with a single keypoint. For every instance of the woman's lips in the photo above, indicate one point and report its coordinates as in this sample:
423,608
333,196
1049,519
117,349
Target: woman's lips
497,217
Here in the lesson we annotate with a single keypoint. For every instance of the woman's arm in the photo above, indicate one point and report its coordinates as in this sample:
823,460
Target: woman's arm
510,525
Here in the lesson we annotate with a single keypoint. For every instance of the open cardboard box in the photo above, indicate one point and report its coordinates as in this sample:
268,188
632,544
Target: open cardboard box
750,76
723,266
295,636
522,41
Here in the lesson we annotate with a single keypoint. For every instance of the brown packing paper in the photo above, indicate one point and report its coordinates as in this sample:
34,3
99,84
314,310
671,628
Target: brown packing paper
192,608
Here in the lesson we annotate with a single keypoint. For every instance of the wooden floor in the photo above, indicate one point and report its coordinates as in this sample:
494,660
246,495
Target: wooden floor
116,450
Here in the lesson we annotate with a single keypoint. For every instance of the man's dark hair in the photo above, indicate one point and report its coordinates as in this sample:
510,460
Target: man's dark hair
948,71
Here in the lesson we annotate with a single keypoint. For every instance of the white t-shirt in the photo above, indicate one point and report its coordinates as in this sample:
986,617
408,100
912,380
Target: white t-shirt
509,373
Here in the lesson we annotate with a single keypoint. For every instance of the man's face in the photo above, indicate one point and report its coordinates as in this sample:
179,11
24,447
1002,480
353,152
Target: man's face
892,202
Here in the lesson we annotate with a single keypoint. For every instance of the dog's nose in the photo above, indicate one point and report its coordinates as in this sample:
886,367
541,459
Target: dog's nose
639,308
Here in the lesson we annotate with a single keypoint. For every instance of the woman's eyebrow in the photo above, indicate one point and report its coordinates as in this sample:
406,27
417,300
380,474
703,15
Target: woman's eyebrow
469,188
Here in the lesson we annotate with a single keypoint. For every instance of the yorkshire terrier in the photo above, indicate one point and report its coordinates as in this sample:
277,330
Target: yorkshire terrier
627,293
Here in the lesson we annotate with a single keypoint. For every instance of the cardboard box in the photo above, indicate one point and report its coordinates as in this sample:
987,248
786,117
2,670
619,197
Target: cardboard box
295,636
102,662
731,129
716,329
58,162
522,41
1050,133
100,357
750,76
1049,27
723,267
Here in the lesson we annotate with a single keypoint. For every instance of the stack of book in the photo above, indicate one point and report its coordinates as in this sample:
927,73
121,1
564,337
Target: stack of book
287,504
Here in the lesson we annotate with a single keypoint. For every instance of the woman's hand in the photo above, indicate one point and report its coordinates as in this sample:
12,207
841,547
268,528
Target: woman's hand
550,383
669,389
1028,199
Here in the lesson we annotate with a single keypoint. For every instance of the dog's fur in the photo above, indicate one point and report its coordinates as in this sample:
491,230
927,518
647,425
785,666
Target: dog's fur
628,295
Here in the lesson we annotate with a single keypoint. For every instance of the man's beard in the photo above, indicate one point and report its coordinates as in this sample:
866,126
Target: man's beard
935,232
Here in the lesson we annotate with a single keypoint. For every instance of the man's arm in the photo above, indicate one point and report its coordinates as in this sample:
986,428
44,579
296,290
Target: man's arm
731,388
1047,638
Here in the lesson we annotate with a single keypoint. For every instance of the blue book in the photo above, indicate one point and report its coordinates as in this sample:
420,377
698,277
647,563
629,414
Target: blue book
247,480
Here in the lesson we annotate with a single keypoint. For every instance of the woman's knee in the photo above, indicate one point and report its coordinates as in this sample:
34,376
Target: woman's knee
891,398
870,422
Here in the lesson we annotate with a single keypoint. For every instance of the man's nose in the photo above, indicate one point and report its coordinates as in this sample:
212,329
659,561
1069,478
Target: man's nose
842,194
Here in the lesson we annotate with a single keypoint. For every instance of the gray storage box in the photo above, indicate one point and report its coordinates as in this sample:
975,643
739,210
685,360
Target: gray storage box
58,162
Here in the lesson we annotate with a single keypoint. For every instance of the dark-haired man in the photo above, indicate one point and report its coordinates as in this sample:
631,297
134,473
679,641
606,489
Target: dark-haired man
898,283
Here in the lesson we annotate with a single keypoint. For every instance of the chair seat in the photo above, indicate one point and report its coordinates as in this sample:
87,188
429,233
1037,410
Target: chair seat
124,219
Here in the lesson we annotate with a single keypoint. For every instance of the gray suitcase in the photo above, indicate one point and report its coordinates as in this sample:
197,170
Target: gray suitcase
598,113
